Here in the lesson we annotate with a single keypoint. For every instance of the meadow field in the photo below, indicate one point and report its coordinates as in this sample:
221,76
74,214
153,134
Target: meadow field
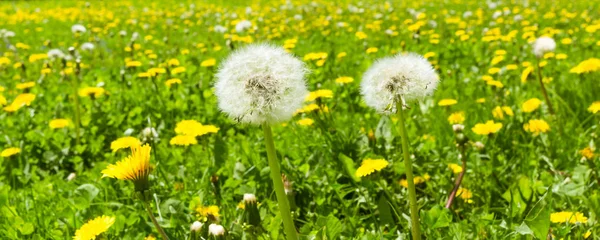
300,119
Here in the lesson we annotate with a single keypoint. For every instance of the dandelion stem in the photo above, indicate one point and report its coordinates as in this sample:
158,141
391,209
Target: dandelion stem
458,179
77,108
284,205
540,78
412,194
160,230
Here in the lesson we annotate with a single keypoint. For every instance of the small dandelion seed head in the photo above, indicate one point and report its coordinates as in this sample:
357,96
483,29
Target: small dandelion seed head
261,84
216,230
78,28
249,198
407,76
196,226
543,45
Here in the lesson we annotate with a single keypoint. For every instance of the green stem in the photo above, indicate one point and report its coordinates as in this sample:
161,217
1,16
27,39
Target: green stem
160,230
412,194
540,78
284,205
77,109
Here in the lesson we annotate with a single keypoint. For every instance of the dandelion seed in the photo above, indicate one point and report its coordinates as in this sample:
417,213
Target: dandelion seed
409,77
261,84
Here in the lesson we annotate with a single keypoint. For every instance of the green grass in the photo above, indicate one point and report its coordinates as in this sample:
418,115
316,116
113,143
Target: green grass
517,180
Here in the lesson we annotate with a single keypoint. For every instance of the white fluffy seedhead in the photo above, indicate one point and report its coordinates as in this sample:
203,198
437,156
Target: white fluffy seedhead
261,84
404,76
543,45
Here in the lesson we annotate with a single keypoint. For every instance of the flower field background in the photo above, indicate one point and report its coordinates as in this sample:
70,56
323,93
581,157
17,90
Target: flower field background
517,119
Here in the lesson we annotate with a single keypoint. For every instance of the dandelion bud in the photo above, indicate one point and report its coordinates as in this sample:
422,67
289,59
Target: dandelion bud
216,230
261,84
71,177
404,76
251,214
543,45
479,145
149,134
458,127
196,226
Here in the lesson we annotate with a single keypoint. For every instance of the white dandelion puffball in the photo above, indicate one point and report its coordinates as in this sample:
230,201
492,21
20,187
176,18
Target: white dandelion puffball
220,29
543,45
196,226
78,28
87,46
242,26
261,83
216,230
409,76
55,53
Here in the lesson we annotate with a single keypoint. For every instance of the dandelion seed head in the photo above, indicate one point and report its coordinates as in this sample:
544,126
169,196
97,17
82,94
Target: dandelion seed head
543,45
216,230
261,84
409,76
78,28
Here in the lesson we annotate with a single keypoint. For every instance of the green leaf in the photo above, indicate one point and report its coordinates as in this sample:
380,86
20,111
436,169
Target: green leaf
523,229
349,165
538,219
385,211
26,229
437,217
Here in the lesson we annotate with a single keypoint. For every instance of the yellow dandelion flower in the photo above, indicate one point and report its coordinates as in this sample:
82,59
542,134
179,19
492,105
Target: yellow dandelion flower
495,83
595,107
94,92
526,73
25,85
587,153
135,167
487,128
172,81
465,194
589,65
124,142
344,80
372,50
10,152
494,70
59,123
361,35
498,113
536,126
177,70
93,228
508,111
3,100
570,217
480,100
342,54
531,105
561,56
209,62
322,93
173,62
455,168
306,122
131,64
369,166
194,128
183,140
150,237
416,180
512,67
208,211
447,102
429,54
456,118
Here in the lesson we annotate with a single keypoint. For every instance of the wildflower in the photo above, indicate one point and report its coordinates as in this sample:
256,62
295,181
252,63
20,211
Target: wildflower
93,228
94,92
172,81
372,50
586,66
570,217
409,77
455,168
71,176
216,230
321,93
21,100
183,140
531,105
124,142
177,70
87,46
55,54
536,126
456,118
25,85
10,152
150,237
131,64
487,128
499,112
369,166
242,26
543,45
361,35
465,194
135,167
173,62
261,84
587,153
78,28
3,100
194,128
306,122
344,80
341,55
447,102
416,180
211,211
59,123
196,226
